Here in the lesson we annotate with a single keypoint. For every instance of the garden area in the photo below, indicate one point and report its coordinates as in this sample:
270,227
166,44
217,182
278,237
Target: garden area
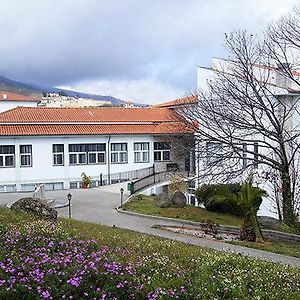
221,208
69,259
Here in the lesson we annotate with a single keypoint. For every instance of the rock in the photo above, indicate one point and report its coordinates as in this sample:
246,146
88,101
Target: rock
179,199
269,222
35,206
163,200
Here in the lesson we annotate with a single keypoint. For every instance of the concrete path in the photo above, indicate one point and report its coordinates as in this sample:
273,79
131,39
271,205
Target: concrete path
97,205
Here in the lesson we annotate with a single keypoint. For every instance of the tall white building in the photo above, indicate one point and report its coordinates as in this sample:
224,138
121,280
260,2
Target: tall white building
281,89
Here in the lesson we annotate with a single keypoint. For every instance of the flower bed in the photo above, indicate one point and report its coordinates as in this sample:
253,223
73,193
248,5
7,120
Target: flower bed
53,266
77,260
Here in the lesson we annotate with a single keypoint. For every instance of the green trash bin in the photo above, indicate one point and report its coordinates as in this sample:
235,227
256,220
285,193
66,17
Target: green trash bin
129,186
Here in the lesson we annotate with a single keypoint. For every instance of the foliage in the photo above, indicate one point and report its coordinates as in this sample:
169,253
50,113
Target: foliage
242,200
249,200
86,180
177,184
76,260
219,197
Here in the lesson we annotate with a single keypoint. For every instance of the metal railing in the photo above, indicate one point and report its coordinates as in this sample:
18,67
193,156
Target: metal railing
123,176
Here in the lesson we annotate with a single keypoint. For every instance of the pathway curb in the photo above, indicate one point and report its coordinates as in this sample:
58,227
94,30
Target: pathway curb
272,234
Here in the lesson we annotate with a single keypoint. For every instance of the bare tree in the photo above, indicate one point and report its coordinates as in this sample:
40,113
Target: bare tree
248,114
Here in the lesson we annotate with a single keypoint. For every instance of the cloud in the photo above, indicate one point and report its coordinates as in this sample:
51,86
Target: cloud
158,42
140,91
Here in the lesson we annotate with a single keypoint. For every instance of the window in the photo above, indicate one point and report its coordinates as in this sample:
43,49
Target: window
141,152
28,187
26,155
96,153
50,186
213,153
119,153
87,154
58,154
244,155
7,156
161,151
255,157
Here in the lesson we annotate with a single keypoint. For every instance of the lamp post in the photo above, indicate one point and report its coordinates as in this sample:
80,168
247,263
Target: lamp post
121,191
69,197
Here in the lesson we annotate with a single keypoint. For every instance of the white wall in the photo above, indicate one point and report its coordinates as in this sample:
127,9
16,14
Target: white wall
43,171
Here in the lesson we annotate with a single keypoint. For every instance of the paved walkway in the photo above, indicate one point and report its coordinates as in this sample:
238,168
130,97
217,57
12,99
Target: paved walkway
98,205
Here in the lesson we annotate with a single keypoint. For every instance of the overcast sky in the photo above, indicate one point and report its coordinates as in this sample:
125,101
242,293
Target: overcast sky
141,50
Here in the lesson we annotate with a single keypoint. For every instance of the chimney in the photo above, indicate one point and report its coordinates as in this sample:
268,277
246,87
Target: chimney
4,96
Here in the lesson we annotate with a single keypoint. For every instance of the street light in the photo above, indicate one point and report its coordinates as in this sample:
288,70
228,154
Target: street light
69,197
121,191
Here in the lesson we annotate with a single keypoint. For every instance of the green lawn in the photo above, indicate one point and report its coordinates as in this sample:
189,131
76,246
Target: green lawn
280,247
147,205
153,268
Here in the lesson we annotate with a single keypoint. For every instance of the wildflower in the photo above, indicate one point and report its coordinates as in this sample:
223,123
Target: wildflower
46,294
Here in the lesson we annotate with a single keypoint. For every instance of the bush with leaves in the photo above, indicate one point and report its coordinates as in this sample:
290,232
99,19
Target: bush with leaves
219,197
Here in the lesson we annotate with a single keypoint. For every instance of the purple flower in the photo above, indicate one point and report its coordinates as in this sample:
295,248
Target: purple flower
46,294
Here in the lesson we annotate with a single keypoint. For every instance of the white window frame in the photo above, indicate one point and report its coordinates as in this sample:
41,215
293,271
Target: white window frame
245,158
255,156
77,158
8,155
28,154
162,152
118,154
142,151
58,154
214,153
86,154
98,162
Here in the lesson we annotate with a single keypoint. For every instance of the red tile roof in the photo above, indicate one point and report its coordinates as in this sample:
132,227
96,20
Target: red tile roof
8,96
78,115
178,102
29,121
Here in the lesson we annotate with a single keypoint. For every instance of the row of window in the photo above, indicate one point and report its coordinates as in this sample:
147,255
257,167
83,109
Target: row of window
7,156
87,153
214,152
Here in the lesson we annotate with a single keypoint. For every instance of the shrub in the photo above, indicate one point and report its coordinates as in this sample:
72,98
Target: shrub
177,184
219,197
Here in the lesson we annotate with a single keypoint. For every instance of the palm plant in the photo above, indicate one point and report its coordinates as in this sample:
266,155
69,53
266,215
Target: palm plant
249,200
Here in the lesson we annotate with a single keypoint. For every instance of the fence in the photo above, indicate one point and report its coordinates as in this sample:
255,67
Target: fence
140,184
153,178
121,177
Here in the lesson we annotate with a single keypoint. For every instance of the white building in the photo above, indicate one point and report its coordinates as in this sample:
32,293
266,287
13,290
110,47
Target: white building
281,89
12,100
55,145
55,100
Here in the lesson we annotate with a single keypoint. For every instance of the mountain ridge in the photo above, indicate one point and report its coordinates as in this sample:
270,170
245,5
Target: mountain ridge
36,90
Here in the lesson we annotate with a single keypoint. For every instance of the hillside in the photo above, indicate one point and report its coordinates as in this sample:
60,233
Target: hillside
76,260
35,90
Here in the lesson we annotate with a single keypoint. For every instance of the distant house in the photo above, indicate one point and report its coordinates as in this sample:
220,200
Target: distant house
55,145
12,100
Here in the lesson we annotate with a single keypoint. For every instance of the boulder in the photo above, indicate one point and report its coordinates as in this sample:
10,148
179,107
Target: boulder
179,199
35,206
269,222
163,200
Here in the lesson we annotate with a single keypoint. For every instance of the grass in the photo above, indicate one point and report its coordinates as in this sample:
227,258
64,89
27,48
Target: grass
161,269
147,205
280,247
